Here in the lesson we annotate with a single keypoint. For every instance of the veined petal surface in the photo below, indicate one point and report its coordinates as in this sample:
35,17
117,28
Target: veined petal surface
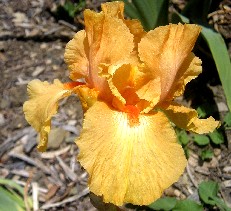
42,105
76,56
110,41
165,49
127,163
189,70
187,119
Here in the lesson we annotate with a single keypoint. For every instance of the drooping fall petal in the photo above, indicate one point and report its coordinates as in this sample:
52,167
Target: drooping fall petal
187,119
165,49
42,105
129,163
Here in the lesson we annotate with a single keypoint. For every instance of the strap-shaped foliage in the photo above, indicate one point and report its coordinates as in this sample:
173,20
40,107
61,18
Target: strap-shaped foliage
11,196
151,13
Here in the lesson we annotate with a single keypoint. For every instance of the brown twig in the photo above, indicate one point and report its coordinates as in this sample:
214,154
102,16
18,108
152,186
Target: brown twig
68,200
26,189
191,176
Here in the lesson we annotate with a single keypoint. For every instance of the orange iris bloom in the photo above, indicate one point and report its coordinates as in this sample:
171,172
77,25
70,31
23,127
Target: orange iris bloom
127,144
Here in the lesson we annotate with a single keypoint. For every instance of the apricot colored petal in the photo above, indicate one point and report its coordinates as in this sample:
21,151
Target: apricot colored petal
126,163
42,105
116,9
150,93
131,86
192,65
165,49
109,39
187,119
119,77
75,56
113,9
137,30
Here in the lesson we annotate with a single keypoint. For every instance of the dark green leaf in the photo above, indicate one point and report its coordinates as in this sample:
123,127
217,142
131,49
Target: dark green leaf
12,184
208,191
205,110
206,154
183,137
197,10
221,57
216,137
201,139
208,194
189,205
167,203
227,120
16,191
151,13
201,112
131,10
73,8
177,17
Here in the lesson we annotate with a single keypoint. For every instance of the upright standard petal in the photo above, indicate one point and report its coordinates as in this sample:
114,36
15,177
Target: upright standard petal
109,39
189,70
187,119
42,105
165,49
76,56
129,163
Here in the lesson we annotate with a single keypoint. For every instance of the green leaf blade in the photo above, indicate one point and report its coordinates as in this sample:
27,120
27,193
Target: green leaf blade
197,10
206,154
220,55
216,137
188,205
151,13
167,204
208,194
182,137
207,191
227,120
9,202
201,140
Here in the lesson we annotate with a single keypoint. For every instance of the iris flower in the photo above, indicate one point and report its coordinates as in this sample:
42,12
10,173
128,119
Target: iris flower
127,144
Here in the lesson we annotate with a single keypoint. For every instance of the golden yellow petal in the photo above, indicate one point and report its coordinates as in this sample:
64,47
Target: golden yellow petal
137,30
165,49
87,96
131,86
75,56
187,119
129,163
42,105
113,9
116,9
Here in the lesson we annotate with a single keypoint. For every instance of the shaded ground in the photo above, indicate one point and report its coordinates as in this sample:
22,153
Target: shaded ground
32,42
